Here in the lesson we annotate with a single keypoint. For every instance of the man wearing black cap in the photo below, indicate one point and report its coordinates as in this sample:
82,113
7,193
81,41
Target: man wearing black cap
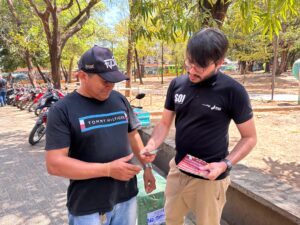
90,136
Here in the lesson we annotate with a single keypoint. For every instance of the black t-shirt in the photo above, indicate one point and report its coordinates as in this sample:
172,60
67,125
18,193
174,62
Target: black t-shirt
94,131
203,114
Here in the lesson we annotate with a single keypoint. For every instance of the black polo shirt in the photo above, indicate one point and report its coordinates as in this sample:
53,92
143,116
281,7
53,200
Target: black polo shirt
203,114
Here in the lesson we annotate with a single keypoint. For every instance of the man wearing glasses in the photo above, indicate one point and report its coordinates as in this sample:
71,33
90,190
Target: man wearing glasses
203,102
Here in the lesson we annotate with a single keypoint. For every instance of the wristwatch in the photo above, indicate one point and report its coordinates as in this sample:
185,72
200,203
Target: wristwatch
148,165
228,163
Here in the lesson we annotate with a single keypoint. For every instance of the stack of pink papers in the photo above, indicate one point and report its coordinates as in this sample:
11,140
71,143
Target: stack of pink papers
191,164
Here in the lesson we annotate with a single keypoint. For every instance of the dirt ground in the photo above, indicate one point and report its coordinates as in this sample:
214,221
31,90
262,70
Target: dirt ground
277,152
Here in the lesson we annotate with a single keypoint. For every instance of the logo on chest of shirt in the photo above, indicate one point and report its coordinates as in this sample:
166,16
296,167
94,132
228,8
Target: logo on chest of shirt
179,98
99,121
214,107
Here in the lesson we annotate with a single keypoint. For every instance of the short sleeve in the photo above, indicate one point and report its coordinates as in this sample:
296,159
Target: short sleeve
133,121
58,129
169,103
241,109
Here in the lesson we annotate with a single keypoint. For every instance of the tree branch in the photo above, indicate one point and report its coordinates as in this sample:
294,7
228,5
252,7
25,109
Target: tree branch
13,12
48,2
81,13
44,18
78,5
74,30
39,13
69,5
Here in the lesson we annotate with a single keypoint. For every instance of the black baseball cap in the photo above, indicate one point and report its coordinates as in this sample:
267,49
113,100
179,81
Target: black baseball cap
101,61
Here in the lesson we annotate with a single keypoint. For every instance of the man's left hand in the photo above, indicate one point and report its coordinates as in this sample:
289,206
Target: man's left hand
149,180
212,170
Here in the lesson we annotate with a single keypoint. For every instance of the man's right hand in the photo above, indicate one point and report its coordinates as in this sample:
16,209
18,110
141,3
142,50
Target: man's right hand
148,154
120,169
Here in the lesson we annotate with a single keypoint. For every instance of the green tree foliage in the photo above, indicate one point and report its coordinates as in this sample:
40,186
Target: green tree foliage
91,33
245,46
21,36
61,19
175,18
251,32
9,60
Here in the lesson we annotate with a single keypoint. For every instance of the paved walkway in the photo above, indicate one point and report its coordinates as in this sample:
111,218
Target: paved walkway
28,195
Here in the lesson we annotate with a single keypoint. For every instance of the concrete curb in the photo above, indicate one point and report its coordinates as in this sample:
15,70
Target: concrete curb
156,114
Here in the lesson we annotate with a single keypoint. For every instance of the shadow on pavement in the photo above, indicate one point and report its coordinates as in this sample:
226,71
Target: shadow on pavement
28,196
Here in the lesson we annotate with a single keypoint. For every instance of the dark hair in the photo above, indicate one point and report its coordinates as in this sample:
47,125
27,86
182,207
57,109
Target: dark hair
209,44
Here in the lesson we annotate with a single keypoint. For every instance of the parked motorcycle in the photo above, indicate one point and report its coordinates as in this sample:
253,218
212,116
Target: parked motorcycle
34,104
44,101
39,129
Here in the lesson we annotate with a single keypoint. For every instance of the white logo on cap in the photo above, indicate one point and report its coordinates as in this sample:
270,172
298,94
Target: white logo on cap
89,66
110,63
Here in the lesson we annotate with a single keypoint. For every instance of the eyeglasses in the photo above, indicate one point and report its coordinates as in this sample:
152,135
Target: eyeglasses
198,69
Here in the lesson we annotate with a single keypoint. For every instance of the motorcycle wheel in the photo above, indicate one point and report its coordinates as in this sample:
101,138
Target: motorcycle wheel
18,104
23,105
38,131
32,107
37,112
8,102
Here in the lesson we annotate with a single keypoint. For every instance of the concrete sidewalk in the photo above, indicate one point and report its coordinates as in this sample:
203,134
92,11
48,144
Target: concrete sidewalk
28,195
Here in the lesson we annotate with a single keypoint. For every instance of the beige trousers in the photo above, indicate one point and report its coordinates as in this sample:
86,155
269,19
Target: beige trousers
204,198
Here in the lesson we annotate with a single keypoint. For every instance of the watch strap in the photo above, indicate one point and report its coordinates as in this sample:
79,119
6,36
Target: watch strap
148,165
228,163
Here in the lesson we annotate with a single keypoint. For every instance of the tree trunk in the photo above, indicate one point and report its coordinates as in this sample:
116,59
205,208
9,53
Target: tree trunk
129,60
55,65
41,73
143,70
134,70
218,10
29,64
274,68
162,63
284,60
176,66
267,68
143,67
70,69
284,46
242,67
250,66
291,58
65,73
138,66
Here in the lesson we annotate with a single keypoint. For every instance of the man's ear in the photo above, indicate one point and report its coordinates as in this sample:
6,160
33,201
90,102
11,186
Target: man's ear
219,63
82,75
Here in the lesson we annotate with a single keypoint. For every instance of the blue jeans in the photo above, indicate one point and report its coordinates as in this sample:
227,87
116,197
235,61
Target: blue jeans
122,214
2,98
